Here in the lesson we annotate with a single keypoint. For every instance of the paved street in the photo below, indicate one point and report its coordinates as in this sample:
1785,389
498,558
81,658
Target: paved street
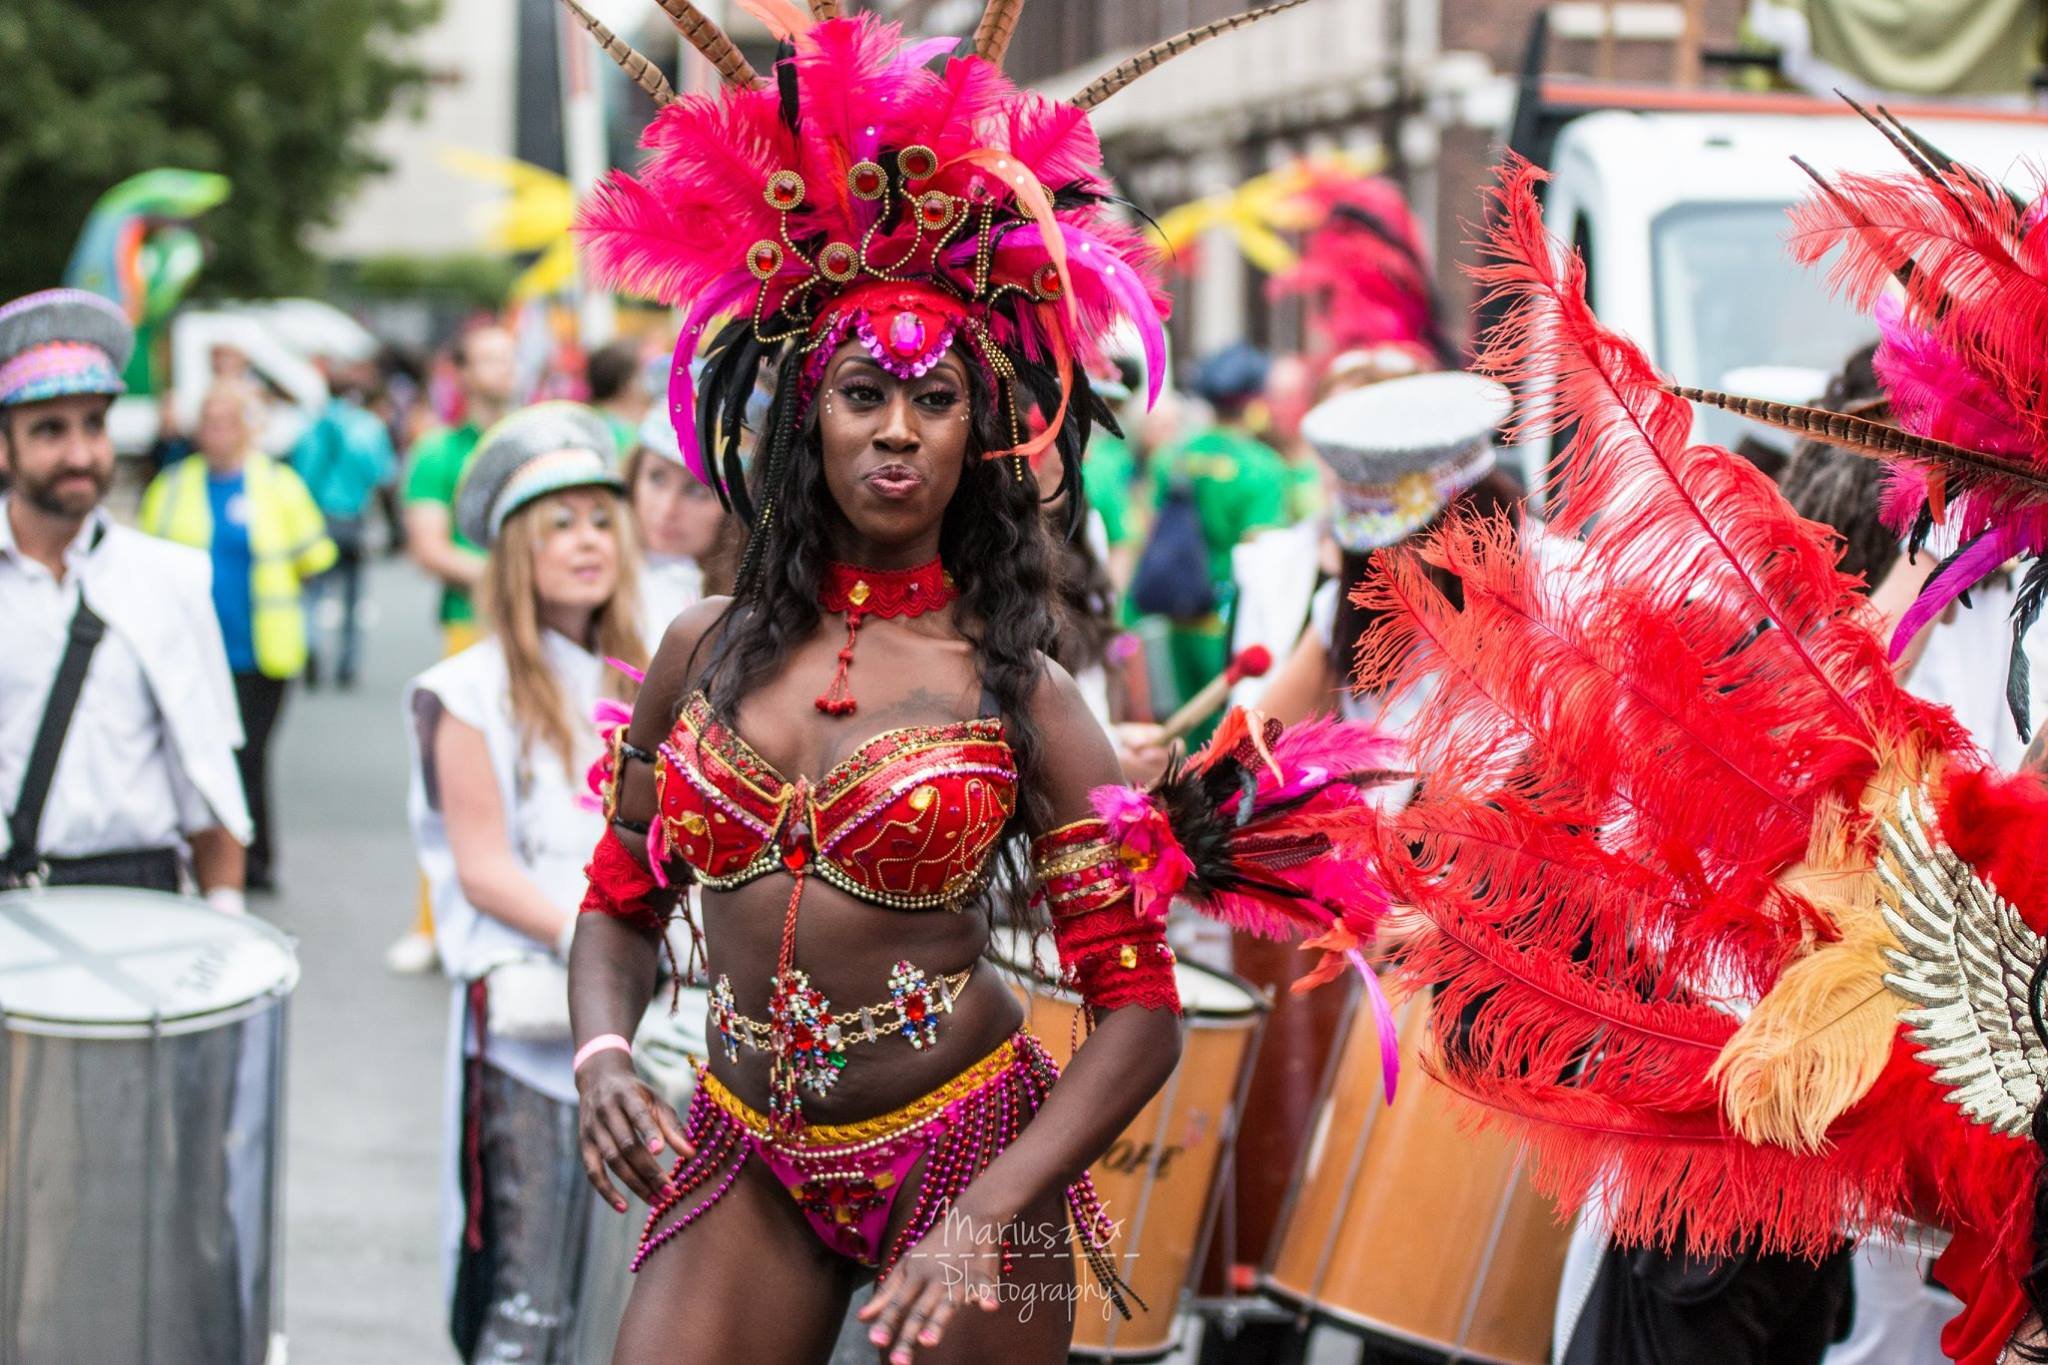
362,1280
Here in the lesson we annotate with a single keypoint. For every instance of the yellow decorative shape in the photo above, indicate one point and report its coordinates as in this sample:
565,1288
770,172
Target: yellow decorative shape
1127,955
694,823
921,799
860,593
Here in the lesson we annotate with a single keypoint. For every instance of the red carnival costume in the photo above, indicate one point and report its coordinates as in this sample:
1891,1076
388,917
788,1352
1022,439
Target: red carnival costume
1737,934
862,196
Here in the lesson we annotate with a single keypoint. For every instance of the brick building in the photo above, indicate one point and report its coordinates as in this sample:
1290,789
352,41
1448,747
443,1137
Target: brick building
1427,85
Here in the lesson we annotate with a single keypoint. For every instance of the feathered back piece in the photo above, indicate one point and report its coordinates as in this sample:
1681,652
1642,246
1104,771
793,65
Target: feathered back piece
1365,269
1631,742
1731,930
1955,270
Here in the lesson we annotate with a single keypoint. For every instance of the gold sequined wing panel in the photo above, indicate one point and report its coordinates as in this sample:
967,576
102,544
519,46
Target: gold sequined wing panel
1965,966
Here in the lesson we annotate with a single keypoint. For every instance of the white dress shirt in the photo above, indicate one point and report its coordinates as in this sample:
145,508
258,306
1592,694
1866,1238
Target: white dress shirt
149,755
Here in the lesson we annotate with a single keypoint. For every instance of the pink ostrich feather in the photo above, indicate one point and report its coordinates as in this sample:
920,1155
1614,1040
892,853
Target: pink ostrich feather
681,227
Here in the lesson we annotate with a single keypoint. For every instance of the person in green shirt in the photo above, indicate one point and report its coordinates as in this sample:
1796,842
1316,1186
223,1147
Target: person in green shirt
485,368
1109,477
1239,485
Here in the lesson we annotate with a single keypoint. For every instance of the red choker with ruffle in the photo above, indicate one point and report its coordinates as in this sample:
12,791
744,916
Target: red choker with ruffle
861,593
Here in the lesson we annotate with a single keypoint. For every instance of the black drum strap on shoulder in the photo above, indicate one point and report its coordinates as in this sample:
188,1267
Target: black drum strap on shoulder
24,856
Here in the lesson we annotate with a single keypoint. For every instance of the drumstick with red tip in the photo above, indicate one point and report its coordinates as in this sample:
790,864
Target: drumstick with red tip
1251,662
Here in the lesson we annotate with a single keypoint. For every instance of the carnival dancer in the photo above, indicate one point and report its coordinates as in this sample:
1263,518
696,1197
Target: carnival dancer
118,726
1741,937
1373,314
871,719
500,740
682,526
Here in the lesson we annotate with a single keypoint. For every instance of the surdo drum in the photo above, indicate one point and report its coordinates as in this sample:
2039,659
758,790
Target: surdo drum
1159,1178
1406,1225
142,1057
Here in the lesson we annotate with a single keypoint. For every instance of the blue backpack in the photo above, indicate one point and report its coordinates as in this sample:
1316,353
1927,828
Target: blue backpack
1172,577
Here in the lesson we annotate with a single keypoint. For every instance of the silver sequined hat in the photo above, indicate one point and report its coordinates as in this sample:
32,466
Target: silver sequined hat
1402,449
536,451
62,342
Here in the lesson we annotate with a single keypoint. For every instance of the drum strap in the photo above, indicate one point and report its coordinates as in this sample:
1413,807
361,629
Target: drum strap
25,820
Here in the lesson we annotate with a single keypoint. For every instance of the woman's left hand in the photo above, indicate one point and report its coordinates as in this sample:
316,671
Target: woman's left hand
959,1262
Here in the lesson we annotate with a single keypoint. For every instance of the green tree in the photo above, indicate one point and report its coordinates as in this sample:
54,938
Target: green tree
278,95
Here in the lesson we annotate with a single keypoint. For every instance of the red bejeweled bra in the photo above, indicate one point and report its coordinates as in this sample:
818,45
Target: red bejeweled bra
907,820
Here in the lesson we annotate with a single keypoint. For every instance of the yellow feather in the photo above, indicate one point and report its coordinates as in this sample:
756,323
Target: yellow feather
1817,1042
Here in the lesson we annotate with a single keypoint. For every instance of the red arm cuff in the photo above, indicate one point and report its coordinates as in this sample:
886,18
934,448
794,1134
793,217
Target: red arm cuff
620,886
1109,953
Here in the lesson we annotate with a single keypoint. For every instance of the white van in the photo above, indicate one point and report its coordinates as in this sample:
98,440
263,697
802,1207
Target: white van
1681,216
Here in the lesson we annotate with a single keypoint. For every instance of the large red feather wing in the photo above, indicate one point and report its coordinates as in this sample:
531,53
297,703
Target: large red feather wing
1625,743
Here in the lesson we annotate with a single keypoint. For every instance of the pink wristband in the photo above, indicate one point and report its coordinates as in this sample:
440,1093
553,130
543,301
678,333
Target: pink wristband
604,1042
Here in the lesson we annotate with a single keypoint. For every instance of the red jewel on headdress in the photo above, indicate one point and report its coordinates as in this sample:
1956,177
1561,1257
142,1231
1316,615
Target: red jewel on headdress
838,262
867,180
917,163
861,593
1046,282
765,259
785,190
935,210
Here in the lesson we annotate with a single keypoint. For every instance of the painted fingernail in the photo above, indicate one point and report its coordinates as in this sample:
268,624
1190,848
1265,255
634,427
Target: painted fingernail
880,1336
928,1337
654,1144
620,1206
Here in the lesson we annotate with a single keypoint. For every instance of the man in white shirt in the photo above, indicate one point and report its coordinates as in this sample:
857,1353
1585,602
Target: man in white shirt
117,718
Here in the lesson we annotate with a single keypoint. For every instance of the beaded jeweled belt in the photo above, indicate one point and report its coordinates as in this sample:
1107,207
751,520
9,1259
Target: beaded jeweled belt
808,1038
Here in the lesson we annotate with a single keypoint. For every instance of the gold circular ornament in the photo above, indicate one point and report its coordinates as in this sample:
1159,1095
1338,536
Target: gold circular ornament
867,180
764,259
917,162
838,262
785,190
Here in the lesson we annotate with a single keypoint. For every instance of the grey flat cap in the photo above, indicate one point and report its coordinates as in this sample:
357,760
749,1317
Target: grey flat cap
534,452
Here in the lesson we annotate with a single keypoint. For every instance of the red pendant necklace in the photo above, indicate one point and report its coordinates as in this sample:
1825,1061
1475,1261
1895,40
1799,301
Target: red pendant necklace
861,593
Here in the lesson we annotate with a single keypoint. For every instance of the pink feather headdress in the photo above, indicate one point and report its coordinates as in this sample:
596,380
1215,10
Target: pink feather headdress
1365,270
865,194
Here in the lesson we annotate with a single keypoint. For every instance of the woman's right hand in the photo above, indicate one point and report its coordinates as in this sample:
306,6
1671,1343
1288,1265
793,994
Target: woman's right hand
624,1128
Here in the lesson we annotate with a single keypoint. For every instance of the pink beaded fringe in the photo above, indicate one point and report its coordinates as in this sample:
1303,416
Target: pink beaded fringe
970,1133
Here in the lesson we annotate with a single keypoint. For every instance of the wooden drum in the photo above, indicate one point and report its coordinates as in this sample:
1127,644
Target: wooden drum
1404,1224
1158,1179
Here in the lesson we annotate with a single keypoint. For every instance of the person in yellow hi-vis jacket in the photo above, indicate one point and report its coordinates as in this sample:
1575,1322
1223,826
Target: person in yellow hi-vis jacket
266,536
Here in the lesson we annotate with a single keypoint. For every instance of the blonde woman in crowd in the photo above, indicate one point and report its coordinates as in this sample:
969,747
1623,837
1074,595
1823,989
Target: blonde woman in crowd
502,738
